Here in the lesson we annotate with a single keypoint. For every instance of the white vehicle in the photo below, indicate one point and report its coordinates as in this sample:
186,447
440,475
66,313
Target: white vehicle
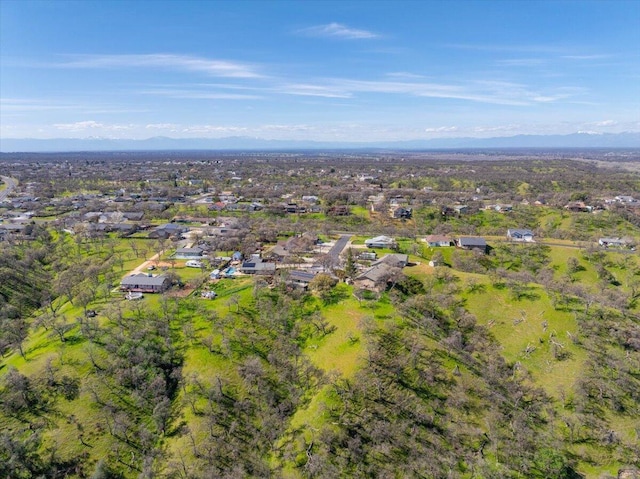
192,263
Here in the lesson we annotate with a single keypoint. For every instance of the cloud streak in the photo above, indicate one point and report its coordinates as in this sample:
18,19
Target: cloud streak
494,92
216,68
198,94
337,30
92,125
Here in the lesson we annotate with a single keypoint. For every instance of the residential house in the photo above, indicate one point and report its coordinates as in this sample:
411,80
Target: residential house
257,266
612,242
400,212
472,243
377,277
124,229
368,256
145,283
395,260
338,210
168,230
436,241
454,211
381,242
133,215
294,245
300,279
228,197
578,207
294,208
503,208
518,234
373,279
189,253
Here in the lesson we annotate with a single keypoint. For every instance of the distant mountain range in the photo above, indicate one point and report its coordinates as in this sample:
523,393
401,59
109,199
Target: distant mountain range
575,140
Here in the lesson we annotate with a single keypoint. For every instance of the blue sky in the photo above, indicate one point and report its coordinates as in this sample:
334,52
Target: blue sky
318,70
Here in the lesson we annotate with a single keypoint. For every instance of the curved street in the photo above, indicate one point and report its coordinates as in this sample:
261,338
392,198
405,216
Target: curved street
11,184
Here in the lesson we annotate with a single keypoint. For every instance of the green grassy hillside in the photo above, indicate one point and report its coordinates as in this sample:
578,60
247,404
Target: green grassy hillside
521,364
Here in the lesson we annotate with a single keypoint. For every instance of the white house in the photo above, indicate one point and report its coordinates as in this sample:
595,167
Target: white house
381,242
612,242
438,240
519,234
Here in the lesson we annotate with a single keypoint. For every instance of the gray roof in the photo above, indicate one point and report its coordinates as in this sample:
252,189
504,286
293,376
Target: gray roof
395,259
142,279
195,250
257,265
472,241
375,273
171,227
301,276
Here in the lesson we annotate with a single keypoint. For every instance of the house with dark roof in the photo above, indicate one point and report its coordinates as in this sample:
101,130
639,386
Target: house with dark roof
400,212
299,278
338,210
257,266
168,230
472,243
189,253
145,283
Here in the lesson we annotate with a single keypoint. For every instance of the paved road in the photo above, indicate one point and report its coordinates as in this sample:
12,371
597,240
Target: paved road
11,184
339,246
336,249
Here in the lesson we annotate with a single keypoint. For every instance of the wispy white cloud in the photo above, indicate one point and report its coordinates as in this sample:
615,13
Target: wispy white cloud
92,125
404,75
286,128
584,57
198,94
497,128
304,89
78,125
214,129
600,124
441,129
550,49
521,62
337,30
20,105
162,126
26,105
494,92
218,68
